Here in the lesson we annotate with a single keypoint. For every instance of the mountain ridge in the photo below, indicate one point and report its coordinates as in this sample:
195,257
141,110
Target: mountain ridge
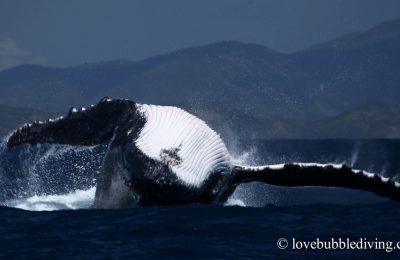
316,83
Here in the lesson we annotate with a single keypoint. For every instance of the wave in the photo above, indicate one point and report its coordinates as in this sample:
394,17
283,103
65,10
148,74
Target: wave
79,199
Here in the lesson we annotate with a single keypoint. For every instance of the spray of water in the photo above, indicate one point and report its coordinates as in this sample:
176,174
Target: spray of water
251,194
44,177
355,154
75,200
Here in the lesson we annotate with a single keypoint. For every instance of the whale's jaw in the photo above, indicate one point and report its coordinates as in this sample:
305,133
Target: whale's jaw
175,161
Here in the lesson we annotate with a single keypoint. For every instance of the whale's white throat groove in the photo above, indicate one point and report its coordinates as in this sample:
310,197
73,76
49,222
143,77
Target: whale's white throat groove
199,149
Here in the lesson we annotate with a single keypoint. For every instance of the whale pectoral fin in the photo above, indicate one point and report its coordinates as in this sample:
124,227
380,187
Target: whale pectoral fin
90,126
328,175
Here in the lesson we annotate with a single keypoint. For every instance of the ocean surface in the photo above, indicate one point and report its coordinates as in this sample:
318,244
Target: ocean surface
47,192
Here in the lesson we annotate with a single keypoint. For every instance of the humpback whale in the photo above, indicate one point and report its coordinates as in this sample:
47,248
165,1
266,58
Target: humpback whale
160,155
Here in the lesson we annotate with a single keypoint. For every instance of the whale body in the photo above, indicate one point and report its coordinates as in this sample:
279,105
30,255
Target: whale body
160,155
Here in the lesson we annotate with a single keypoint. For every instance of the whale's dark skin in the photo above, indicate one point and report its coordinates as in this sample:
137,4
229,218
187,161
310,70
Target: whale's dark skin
129,177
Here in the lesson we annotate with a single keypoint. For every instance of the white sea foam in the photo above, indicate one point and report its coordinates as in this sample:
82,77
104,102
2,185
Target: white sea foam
75,200
234,202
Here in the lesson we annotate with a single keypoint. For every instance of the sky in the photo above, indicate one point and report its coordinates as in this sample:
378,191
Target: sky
64,33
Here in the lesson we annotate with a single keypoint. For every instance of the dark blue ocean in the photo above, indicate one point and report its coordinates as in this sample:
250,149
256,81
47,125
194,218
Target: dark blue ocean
47,191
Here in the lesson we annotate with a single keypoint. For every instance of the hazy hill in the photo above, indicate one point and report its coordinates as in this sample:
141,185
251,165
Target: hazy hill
371,120
12,117
244,76
240,81
368,121
355,68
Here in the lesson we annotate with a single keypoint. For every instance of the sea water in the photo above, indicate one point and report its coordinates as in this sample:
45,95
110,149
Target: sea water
48,190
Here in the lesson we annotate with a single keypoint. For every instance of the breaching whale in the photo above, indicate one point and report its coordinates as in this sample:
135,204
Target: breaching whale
162,155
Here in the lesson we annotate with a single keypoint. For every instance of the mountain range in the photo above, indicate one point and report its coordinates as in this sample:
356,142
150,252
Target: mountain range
324,90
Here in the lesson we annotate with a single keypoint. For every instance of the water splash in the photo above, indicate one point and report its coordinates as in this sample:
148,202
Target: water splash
49,177
75,200
250,194
355,153
234,202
